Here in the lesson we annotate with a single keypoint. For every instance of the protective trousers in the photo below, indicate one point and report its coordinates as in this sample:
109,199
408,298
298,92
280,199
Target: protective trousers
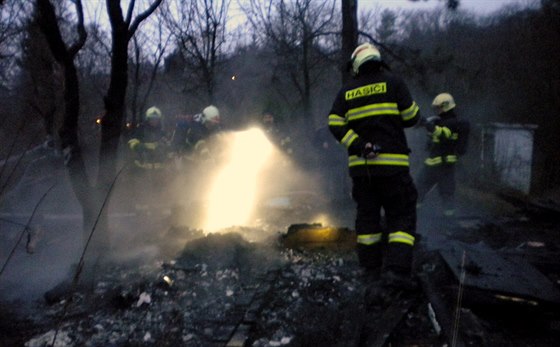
442,176
389,247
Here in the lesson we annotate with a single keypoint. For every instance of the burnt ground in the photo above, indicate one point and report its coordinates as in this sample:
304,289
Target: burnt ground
238,288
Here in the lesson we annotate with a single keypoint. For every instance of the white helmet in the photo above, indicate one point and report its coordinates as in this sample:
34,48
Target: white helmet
362,53
153,113
443,102
211,114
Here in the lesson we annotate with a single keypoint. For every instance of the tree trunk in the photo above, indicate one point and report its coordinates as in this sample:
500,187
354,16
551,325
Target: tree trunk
306,97
85,192
113,119
134,109
349,35
69,130
89,197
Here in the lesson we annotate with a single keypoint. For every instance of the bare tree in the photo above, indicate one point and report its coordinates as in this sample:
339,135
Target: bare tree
123,29
387,27
145,68
65,54
199,29
451,4
12,18
349,33
93,64
294,31
92,196
39,80
385,30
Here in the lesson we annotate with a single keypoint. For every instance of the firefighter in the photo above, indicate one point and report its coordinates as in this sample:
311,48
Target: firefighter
269,125
196,150
368,117
148,142
191,133
274,134
447,139
149,146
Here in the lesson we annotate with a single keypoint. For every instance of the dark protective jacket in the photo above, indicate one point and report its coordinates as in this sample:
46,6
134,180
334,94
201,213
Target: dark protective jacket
149,145
374,107
190,137
187,133
447,139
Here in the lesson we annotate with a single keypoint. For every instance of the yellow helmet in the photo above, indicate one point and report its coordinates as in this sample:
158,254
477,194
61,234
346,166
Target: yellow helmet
153,113
362,53
443,102
211,114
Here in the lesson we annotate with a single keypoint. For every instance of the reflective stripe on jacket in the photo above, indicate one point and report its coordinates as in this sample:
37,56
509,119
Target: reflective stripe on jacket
149,147
442,142
374,107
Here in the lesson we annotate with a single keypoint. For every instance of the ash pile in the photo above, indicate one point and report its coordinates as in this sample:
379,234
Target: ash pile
304,287
219,290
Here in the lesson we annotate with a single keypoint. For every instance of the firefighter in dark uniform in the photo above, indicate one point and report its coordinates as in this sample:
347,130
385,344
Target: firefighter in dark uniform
368,117
447,138
273,132
149,148
197,145
148,142
191,134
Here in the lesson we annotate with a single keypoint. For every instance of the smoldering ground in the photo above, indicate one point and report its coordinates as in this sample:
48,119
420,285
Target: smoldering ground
152,217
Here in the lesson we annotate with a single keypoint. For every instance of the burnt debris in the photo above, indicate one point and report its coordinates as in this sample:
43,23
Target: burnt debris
304,287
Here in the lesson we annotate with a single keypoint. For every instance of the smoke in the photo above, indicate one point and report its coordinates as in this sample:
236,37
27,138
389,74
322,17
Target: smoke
56,223
232,197
249,180
249,185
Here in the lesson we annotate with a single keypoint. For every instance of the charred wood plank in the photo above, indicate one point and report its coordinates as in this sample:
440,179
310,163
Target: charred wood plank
443,312
390,318
240,335
486,270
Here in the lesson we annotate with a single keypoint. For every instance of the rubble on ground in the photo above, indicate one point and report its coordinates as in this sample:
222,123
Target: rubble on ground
224,289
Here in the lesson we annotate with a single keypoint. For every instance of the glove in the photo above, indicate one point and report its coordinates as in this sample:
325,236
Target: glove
132,143
431,122
370,150
152,146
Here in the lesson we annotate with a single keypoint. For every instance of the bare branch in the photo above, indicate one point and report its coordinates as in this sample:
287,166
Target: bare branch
49,25
385,48
199,29
82,34
142,16
129,12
